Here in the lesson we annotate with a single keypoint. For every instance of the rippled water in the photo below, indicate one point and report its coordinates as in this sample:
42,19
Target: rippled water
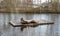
45,30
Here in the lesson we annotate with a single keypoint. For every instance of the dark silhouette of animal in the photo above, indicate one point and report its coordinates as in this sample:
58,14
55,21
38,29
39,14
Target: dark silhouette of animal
26,22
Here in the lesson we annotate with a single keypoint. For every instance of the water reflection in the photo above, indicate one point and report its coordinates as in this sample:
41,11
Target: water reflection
8,30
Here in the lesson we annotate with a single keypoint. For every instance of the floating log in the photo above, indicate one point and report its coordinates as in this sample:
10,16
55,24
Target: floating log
40,22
